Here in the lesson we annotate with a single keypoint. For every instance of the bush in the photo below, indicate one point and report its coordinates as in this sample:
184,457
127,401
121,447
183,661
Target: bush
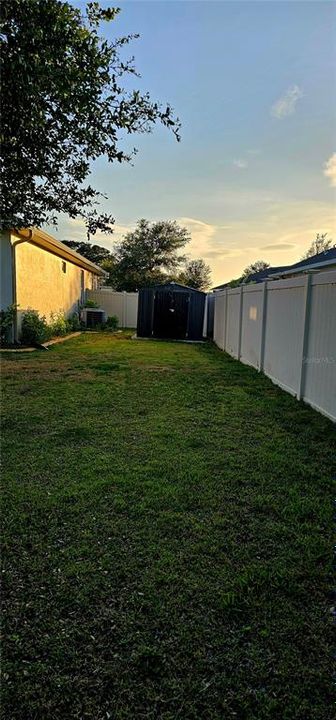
34,328
91,304
6,322
74,323
111,323
58,325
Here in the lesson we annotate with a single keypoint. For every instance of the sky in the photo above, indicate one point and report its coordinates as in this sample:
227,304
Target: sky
253,83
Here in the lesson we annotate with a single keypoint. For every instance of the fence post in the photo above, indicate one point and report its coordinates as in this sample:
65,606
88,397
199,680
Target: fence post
240,326
124,308
305,334
225,318
263,326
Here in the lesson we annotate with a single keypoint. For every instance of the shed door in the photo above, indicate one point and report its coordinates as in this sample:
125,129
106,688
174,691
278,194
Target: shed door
170,314
145,312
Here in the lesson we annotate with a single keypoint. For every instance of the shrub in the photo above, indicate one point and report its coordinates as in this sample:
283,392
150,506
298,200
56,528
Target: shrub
111,323
34,328
58,325
74,323
6,322
91,304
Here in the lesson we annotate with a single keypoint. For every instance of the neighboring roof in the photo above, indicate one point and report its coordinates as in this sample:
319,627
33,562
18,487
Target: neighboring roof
262,275
257,277
320,260
48,242
220,287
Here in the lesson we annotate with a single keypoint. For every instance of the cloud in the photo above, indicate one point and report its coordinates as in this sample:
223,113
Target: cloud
197,226
251,224
330,169
286,105
220,253
278,246
74,229
278,229
207,240
241,164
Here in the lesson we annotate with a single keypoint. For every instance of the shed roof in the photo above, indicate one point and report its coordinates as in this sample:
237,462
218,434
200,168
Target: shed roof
173,285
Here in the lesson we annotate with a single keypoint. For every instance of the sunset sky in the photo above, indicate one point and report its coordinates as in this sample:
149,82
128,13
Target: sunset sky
253,83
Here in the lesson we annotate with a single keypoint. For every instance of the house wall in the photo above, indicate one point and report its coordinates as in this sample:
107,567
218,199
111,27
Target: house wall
286,329
42,285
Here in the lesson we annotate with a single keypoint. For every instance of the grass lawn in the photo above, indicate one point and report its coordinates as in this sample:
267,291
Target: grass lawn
167,531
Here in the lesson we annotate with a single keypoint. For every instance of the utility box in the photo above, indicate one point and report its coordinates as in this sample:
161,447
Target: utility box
92,317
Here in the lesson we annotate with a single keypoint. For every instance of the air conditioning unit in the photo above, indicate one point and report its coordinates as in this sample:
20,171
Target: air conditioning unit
91,317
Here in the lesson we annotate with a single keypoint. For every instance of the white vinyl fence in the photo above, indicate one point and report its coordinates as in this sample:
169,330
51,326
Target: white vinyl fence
286,329
122,304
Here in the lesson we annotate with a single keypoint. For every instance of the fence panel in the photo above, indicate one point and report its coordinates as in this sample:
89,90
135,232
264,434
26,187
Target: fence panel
319,363
131,310
123,305
287,328
251,325
283,333
219,319
232,322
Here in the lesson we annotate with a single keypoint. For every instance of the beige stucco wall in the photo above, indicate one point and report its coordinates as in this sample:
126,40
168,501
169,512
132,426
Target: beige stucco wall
42,285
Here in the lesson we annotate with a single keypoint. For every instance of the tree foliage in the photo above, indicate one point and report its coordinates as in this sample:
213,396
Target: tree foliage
94,253
320,244
255,267
196,274
148,255
110,266
65,105
236,282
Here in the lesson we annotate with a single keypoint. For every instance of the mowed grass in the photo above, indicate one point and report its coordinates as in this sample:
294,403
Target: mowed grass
167,530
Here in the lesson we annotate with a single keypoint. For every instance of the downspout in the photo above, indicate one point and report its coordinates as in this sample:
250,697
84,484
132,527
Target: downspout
14,292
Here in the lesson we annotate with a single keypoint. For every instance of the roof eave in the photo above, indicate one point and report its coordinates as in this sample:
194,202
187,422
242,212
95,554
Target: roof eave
42,239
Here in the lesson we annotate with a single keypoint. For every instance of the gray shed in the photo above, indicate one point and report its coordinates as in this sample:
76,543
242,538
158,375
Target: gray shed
171,311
